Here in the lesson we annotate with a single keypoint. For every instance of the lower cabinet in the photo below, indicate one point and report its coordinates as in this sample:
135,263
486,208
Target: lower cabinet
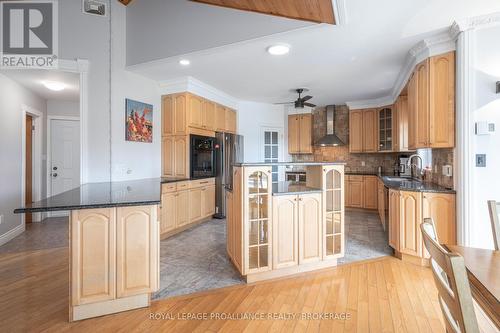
184,203
297,230
370,192
114,253
361,191
381,202
407,210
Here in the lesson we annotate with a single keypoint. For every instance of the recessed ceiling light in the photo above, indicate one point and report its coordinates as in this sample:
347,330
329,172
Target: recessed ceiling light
184,62
280,49
54,86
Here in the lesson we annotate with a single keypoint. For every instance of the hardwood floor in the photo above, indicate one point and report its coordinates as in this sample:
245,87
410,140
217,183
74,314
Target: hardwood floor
380,295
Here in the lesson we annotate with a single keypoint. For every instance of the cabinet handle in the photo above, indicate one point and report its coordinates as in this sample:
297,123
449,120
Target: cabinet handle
204,182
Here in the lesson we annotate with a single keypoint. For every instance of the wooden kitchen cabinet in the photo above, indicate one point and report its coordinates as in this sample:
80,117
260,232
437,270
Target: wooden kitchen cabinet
208,115
168,221
355,193
93,272
182,211
137,251
410,209
300,134
394,219
167,156
356,131
181,156
333,212
381,202
195,107
174,120
441,208
231,122
400,132
310,228
386,128
363,131
370,192
285,231
220,118
208,201
195,210
431,103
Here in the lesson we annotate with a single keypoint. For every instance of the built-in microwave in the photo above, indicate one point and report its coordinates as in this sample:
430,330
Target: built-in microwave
202,153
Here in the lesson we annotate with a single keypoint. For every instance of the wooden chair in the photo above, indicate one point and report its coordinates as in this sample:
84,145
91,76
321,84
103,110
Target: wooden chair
450,276
494,208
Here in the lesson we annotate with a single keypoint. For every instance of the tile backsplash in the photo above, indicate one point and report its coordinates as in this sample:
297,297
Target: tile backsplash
367,162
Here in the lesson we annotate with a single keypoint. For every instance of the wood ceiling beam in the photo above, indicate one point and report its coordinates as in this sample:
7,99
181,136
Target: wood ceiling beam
319,11
125,2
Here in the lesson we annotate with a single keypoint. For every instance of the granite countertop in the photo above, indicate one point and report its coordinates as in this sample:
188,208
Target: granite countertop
101,195
288,164
284,188
168,180
407,184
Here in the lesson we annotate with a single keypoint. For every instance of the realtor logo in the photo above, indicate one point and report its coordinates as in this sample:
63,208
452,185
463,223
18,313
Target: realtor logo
28,34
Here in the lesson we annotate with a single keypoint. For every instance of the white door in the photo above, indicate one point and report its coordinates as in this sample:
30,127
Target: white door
65,155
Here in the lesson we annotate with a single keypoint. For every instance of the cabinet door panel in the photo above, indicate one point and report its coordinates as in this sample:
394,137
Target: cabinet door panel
231,236
356,193
422,114
410,219
230,120
208,201
402,124
93,254
441,208
370,131
310,228
381,203
293,134
305,127
370,192
394,217
220,118
195,209
182,200
285,233
195,111
137,244
168,212
180,116
167,156
412,112
167,115
356,131
442,101
208,115
181,157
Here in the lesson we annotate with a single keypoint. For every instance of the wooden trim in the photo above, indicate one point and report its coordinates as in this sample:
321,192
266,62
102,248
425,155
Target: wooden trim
319,11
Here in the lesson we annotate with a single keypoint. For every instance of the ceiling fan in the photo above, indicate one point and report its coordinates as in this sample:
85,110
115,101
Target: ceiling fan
301,101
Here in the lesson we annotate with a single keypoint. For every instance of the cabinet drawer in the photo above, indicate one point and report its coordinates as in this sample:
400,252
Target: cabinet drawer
201,182
182,186
168,188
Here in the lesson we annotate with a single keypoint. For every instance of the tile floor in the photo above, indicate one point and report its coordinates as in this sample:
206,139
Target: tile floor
196,259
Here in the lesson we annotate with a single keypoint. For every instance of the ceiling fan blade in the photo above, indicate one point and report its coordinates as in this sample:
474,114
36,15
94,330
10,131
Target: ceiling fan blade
310,105
283,103
306,98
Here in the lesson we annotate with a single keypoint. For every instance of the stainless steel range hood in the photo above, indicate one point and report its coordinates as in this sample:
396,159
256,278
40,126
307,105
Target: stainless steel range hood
330,139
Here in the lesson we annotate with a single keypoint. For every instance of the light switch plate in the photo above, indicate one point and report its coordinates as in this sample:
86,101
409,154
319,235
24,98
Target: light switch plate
481,160
447,170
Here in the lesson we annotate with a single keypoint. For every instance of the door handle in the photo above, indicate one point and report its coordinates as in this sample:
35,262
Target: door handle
54,168
54,175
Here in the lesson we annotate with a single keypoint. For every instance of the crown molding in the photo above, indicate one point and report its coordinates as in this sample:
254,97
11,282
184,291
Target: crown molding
370,103
476,22
197,87
340,12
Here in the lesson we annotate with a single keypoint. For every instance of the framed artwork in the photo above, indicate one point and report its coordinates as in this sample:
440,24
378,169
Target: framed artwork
138,121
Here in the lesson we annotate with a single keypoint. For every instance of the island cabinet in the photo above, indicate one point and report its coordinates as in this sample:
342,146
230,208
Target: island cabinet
273,234
114,259
407,210
186,203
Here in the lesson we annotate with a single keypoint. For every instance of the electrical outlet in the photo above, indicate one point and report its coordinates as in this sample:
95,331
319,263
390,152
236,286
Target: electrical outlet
481,160
447,170
363,163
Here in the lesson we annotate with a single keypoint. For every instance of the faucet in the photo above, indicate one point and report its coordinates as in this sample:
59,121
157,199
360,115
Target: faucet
410,164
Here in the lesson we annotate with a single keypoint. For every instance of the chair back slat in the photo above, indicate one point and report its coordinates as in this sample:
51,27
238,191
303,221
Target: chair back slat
494,208
452,283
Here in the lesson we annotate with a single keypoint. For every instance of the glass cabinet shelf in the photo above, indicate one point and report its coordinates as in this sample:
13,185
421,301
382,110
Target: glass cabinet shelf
334,213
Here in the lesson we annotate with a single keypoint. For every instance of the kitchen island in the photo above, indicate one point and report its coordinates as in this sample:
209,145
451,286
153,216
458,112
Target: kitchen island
276,229
113,243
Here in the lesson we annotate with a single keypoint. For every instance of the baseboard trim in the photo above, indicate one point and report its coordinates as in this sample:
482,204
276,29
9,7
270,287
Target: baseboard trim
11,234
85,311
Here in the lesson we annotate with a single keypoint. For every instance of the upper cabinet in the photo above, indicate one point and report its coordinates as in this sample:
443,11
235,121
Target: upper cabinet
431,102
401,119
363,131
385,129
230,121
300,134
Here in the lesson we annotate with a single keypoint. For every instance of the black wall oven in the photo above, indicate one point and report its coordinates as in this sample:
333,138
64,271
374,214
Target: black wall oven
202,156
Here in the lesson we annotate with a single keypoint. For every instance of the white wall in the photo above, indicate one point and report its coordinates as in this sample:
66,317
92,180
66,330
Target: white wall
486,180
131,160
63,108
252,119
12,96
87,37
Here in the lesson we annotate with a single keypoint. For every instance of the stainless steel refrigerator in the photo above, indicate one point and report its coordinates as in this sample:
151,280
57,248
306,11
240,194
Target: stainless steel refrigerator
228,150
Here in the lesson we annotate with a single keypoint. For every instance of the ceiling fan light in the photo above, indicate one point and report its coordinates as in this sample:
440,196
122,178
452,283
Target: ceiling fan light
54,85
278,50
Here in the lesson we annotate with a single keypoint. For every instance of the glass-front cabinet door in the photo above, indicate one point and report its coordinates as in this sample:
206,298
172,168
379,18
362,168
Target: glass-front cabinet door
333,210
257,236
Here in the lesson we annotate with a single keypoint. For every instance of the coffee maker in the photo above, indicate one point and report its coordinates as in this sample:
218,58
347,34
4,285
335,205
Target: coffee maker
403,169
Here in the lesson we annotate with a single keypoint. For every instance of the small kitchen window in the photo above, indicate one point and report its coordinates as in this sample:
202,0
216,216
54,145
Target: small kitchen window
271,151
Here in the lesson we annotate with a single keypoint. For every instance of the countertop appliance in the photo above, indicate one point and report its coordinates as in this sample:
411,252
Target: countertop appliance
202,150
403,169
295,176
228,150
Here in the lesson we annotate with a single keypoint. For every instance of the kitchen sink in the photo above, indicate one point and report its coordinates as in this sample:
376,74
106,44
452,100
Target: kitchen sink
399,179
